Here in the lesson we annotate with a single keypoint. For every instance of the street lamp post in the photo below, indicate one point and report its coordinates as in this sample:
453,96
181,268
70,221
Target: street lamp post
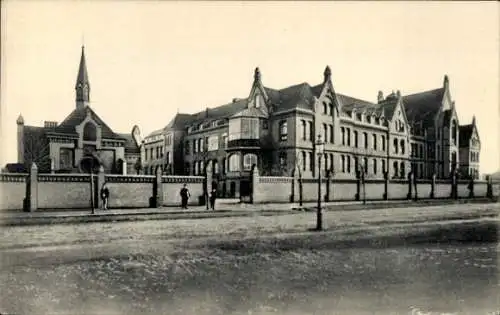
319,214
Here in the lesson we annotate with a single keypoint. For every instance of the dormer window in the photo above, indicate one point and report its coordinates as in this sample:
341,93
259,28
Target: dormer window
258,101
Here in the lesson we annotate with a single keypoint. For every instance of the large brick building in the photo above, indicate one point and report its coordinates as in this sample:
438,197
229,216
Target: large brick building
82,137
276,129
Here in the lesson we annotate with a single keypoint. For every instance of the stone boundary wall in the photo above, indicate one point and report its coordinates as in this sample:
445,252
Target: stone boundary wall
268,189
33,191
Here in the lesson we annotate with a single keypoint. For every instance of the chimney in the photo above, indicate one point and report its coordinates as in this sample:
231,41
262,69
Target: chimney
50,124
380,96
206,113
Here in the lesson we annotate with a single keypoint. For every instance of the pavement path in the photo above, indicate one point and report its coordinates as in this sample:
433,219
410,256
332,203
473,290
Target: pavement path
244,226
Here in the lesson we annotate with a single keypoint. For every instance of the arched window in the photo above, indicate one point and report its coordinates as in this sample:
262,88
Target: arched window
234,163
402,169
195,168
215,166
283,130
89,132
396,169
396,146
224,166
454,131
325,108
402,146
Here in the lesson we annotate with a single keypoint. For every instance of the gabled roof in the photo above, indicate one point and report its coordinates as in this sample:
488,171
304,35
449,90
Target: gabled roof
464,135
386,107
179,121
77,116
251,112
423,106
296,96
219,112
130,145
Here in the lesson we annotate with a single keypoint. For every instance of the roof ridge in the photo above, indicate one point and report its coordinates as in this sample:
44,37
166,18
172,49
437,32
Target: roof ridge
423,92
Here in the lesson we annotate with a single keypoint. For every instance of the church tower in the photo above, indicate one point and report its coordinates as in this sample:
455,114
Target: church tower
82,86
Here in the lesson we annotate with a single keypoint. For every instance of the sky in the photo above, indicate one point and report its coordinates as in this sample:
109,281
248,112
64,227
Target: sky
148,60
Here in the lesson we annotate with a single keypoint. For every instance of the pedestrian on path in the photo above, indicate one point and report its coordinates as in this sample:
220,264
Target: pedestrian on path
104,196
213,196
185,195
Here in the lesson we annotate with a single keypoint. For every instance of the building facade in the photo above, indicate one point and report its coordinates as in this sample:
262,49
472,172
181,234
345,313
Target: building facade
277,130
80,142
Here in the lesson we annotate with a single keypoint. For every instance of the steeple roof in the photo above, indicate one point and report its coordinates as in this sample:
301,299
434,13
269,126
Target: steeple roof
83,76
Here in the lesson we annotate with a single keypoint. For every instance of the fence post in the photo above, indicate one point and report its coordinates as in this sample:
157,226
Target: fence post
410,182
454,194
328,182
294,180
471,187
255,183
358,185
32,193
489,187
208,179
386,185
433,186
101,179
159,188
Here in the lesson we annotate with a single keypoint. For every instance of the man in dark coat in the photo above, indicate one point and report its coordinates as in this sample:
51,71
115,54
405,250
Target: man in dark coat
104,196
213,196
184,196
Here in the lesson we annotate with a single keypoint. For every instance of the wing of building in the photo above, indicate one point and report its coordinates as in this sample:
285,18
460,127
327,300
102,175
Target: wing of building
277,129
81,141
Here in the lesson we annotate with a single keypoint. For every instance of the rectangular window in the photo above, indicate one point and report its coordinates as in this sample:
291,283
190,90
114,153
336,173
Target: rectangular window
331,162
325,133
311,161
374,166
355,138
348,130
249,128
65,158
331,134
343,163
304,160
224,140
282,160
348,163
365,139
249,160
311,131
303,129
342,131
213,143
365,165
383,142
374,142
383,166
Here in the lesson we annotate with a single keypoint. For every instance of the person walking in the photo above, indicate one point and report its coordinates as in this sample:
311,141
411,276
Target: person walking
184,196
104,196
213,196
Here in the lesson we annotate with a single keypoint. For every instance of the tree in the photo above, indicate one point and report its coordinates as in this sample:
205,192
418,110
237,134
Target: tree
138,166
36,150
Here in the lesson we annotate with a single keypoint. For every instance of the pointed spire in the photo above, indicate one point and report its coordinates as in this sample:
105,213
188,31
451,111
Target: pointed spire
257,76
446,81
327,74
82,85
474,120
83,76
